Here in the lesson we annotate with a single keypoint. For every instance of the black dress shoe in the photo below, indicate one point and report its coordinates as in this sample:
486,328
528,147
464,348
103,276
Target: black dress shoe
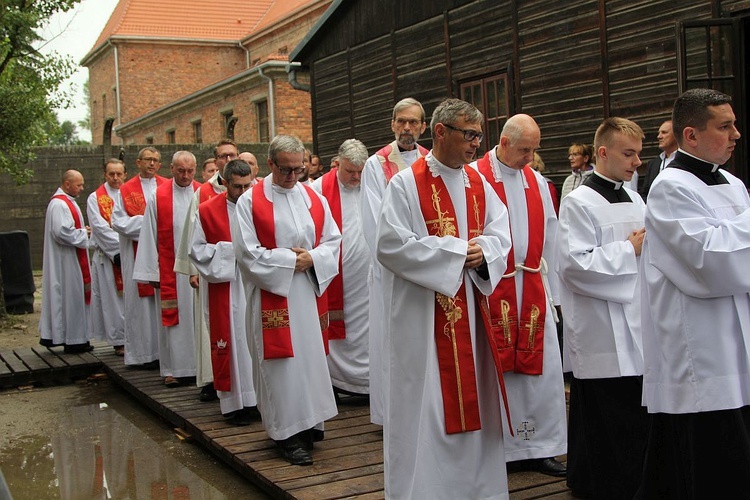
78,348
242,417
297,456
208,393
551,467
293,449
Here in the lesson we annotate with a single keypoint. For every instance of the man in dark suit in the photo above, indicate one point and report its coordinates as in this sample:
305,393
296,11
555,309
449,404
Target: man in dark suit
668,145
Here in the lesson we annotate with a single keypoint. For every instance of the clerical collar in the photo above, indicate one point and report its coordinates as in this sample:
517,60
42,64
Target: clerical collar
610,190
703,170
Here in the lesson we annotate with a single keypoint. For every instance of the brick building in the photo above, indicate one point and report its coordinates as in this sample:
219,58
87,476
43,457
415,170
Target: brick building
194,71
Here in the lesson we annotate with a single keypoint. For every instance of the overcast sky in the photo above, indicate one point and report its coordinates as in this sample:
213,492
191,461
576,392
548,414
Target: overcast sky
74,33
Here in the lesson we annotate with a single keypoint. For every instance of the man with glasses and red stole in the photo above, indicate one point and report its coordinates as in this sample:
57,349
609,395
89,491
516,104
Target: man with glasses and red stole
142,323
443,240
287,245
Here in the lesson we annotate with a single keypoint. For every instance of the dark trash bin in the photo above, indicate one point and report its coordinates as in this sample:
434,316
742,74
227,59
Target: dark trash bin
18,278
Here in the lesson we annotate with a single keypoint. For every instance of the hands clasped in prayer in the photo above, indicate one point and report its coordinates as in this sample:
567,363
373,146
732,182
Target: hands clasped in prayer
474,255
304,259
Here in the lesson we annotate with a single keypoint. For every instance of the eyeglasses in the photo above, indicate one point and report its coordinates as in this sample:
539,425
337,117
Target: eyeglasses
227,156
412,123
150,160
574,154
469,135
285,171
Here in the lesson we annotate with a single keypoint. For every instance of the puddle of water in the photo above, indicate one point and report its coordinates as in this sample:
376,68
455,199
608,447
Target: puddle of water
109,449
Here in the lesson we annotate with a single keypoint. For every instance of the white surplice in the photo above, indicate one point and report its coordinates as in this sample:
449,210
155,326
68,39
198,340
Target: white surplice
373,189
176,343
537,402
696,300
64,317
600,295
216,263
421,460
294,394
106,315
348,359
183,265
142,320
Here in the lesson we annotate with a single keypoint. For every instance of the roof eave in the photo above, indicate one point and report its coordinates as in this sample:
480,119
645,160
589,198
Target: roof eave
303,46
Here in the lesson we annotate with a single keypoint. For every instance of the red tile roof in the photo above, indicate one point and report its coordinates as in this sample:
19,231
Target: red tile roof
215,20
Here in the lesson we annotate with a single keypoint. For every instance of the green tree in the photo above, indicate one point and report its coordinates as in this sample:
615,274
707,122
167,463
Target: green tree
29,82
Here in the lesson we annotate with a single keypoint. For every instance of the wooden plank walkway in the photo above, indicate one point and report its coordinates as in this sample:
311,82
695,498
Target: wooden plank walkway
348,462
42,365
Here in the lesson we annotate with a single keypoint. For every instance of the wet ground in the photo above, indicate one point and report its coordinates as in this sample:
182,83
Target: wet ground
91,440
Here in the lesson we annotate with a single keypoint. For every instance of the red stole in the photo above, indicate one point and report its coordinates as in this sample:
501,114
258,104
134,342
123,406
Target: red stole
215,223
452,329
206,193
135,204
106,204
520,337
337,328
386,156
165,247
277,336
81,253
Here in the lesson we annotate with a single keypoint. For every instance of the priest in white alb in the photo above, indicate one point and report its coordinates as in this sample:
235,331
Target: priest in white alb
522,306
66,273
162,228
225,151
142,322
223,296
287,247
442,240
348,294
407,124
106,319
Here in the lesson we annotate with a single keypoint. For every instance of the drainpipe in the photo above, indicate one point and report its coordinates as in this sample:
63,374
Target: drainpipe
272,114
292,70
117,80
247,54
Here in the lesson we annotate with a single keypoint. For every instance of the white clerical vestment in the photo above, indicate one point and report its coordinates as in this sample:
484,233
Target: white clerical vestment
294,394
695,301
348,359
142,322
64,309
216,263
537,402
373,189
183,265
421,459
106,315
600,295
176,343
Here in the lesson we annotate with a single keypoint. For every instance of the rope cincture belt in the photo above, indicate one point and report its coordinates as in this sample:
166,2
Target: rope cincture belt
544,269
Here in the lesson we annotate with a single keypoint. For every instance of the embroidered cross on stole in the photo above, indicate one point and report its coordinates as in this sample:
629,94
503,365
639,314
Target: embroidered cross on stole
520,336
452,329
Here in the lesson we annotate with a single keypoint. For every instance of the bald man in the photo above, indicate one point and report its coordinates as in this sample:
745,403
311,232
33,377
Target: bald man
522,309
251,160
66,276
